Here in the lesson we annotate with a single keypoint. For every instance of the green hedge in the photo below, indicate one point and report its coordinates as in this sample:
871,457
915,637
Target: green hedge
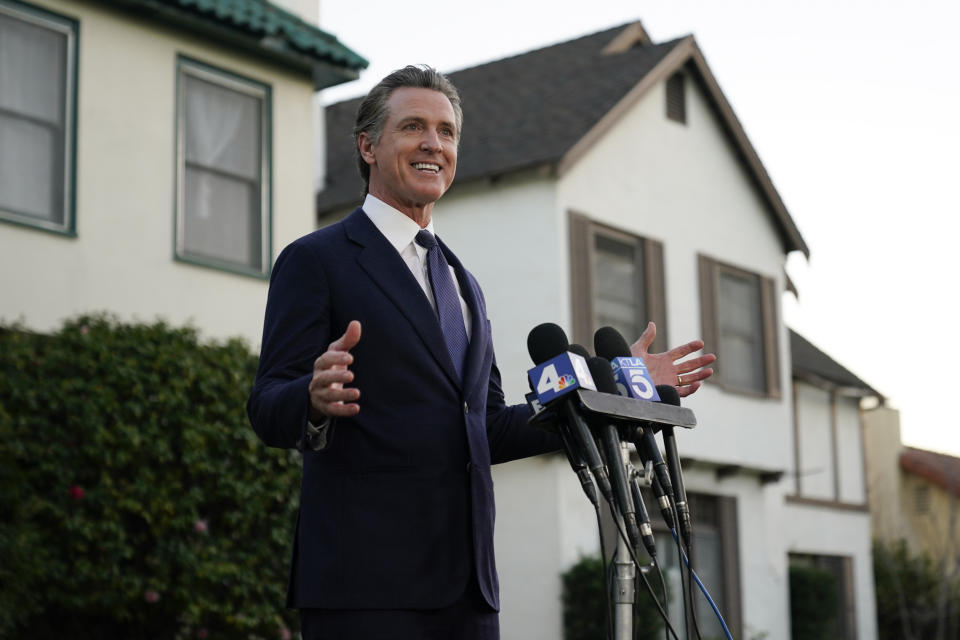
584,600
135,499
814,603
914,598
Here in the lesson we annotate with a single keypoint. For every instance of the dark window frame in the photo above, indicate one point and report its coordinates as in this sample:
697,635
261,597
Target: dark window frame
710,270
583,233
67,134
676,98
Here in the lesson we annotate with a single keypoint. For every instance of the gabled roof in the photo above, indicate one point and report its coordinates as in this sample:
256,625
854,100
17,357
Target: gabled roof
812,364
261,28
549,106
937,468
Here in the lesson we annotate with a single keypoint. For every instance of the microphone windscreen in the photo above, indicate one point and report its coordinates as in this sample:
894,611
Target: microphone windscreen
580,350
546,341
609,344
602,375
668,395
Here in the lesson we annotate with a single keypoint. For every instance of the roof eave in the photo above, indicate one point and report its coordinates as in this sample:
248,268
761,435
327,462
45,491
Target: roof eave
687,51
322,72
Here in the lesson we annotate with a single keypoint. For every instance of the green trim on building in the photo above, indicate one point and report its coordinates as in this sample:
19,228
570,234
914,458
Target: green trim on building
262,29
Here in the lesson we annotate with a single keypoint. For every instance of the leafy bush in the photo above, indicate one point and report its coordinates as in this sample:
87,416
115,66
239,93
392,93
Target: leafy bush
135,499
913,598
814,603
585,600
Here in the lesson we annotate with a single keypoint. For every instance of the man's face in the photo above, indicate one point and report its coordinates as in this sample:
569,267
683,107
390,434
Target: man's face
414,161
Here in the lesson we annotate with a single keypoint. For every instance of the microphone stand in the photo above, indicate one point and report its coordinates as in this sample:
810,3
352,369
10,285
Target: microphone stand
624,408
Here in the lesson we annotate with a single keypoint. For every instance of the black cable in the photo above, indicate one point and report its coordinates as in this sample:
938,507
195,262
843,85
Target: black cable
666,596
606,576
684,588
646,583
690,579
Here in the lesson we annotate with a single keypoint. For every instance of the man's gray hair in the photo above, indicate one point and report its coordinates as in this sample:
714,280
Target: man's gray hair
372,114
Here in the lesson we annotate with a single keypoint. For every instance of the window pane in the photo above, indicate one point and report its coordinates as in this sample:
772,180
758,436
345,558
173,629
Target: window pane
32,70
618,299
221,218
33,104
30,170
222,128
741,331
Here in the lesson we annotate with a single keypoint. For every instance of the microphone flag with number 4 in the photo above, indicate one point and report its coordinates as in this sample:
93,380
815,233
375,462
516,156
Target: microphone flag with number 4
633,379
559,376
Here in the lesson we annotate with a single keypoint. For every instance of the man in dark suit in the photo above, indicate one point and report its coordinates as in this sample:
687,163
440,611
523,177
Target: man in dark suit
395,532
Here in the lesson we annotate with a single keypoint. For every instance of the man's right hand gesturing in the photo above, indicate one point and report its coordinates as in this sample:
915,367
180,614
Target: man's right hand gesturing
328,397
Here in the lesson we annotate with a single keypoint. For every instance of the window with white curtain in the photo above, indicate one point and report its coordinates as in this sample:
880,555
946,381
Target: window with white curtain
37,115
223,211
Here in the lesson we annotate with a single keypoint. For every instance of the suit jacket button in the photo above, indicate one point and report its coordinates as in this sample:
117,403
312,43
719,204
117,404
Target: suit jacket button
466,409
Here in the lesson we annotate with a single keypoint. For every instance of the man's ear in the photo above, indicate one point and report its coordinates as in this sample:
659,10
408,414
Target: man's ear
365,144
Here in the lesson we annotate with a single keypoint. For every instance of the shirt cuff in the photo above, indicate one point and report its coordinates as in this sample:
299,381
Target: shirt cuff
317,435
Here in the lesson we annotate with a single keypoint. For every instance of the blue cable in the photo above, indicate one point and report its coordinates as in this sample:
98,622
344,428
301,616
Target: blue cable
703,589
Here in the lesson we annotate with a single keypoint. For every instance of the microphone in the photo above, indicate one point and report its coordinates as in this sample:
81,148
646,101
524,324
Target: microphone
669,395
610,438
547,341
609,344
573,456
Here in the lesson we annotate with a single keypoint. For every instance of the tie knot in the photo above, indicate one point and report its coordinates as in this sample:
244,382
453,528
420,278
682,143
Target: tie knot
426,239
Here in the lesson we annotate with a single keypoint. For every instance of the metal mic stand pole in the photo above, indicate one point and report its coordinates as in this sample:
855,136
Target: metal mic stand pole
624,585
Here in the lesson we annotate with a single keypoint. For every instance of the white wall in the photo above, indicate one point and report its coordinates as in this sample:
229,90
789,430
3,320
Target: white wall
122,259
682,185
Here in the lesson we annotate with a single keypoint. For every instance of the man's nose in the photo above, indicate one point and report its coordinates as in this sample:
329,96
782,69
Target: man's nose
430,141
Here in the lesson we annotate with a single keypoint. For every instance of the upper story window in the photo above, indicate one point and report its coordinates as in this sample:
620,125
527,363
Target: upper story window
617,281
739,323
223,169
677,98
38,53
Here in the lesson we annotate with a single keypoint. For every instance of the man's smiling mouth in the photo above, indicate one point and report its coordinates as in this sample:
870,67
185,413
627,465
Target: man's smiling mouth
427,166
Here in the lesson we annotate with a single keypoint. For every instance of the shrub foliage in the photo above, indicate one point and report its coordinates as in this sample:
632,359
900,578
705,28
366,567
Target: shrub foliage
917,595
585,604
814,603
135,499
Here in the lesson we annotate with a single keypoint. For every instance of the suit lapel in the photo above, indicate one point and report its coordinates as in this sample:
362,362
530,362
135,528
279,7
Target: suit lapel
390,273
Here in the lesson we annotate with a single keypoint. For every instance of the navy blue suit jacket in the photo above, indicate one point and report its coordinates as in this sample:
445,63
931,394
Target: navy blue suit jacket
397,510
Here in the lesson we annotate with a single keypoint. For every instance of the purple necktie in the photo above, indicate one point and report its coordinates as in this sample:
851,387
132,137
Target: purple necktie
447,299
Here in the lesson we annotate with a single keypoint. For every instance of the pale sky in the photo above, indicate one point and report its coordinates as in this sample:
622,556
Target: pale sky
854,109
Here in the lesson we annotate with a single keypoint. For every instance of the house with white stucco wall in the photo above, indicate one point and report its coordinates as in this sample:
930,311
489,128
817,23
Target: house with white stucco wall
156,155
607,181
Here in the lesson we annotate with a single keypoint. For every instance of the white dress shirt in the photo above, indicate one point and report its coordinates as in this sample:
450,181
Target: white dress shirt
400,231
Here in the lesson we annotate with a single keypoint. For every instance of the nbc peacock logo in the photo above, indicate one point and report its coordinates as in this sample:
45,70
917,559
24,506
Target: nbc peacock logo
565,381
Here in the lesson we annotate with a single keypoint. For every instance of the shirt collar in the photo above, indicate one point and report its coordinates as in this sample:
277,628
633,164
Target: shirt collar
398,229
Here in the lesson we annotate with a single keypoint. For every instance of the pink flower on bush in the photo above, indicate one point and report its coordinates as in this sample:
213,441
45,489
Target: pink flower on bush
84,330
151,596
202,632
76,492
200,526
285,633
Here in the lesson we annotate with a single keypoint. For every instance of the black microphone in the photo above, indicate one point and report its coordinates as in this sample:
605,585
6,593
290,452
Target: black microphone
640,531
547,341
609,344
669,395
574,458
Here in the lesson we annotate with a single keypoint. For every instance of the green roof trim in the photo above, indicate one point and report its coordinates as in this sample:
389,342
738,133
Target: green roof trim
263,29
